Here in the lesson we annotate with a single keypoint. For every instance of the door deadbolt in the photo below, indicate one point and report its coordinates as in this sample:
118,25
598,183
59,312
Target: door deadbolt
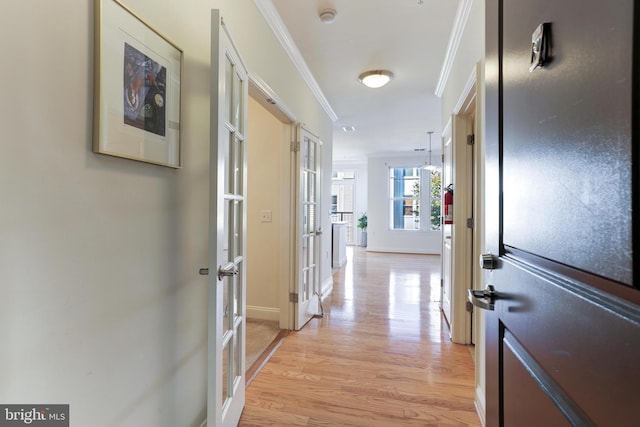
488,261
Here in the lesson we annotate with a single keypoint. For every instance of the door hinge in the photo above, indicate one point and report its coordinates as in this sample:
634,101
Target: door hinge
469,222
471,139
469,307
443,158
442,283
294,297
295,146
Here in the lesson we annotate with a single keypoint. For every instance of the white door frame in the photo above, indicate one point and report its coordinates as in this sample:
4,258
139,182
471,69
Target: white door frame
467,207
447,252
261,92
290,312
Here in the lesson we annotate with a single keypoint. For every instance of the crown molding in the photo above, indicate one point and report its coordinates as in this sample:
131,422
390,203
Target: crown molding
459,24
468,93
270,14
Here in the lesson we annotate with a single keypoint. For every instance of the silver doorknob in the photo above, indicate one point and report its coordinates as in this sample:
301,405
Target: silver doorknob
227,270
483,299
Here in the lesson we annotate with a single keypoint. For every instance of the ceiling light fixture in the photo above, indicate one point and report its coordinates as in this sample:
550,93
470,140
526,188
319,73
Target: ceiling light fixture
327,16
375,79
430,166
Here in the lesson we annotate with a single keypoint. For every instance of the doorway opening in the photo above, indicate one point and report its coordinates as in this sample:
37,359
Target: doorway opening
343,201
268,225
460,245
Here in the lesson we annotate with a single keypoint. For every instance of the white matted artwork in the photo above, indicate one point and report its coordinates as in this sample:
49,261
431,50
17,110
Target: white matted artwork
136,88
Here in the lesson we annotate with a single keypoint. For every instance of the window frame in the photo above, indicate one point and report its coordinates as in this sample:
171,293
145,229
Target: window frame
424,199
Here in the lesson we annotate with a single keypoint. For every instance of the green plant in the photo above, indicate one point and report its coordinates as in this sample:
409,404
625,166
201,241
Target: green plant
362,221
436,194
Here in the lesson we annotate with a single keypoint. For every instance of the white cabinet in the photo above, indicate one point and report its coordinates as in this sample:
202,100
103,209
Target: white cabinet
339,244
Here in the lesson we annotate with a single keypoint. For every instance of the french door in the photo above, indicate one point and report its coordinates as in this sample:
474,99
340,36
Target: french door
308,161
227,219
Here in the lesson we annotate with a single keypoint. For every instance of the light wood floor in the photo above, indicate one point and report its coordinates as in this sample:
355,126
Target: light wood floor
381,356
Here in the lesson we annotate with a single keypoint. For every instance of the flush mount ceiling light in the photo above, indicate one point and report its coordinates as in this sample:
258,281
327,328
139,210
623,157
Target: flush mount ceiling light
328,15
375,79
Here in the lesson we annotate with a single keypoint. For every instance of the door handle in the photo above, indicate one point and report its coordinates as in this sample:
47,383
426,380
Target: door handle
483,299
227,270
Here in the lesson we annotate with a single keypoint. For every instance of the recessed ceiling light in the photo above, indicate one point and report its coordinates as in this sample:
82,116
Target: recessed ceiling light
375,79
348,128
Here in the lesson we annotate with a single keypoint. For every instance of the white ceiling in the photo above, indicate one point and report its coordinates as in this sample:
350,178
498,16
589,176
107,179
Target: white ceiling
406,37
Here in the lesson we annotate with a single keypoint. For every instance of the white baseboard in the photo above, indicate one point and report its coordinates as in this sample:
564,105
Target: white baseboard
326,288
479,403
400,251
263,313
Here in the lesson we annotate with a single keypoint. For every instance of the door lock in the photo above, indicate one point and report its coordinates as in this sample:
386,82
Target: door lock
488,261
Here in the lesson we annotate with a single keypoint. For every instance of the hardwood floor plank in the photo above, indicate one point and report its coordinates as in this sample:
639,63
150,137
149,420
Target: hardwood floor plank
254,415
262,359
381,356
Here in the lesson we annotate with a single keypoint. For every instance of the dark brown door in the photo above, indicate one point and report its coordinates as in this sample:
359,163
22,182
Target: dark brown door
563,340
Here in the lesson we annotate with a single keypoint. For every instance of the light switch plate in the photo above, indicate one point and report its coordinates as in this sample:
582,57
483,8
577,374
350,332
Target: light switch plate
265,216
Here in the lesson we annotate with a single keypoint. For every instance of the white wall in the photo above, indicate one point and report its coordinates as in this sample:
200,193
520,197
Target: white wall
102,306
380,237
264,175
471,52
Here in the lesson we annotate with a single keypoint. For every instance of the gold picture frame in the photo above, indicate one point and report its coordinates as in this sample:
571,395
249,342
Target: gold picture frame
137,95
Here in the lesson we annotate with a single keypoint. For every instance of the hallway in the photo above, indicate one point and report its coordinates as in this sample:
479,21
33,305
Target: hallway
381,356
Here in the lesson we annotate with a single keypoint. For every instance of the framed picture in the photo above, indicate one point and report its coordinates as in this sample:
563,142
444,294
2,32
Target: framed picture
136,88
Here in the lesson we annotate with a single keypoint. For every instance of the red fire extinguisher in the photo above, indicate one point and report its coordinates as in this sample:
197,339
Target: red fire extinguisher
448,204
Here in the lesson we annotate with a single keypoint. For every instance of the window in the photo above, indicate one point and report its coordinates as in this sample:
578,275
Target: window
406,196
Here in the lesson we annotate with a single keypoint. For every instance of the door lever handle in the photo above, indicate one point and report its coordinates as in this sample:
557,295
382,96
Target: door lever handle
227,270
484,299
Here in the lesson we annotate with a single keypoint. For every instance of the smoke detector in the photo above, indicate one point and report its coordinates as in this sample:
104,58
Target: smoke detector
328,15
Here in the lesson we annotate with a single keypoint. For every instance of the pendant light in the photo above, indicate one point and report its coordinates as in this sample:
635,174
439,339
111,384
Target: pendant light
430,166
